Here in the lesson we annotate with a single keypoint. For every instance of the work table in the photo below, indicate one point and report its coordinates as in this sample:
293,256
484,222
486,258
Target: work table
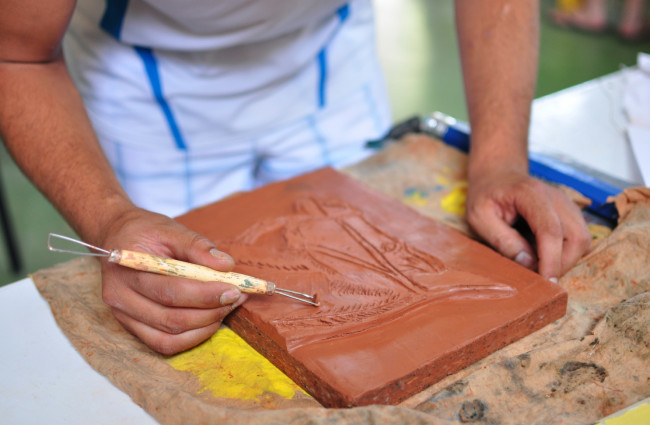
49,381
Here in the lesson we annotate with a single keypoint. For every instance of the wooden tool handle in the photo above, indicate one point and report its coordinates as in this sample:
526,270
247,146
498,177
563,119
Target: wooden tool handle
170,267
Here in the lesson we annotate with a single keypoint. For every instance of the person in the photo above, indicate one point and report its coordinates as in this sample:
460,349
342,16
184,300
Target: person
592,16
189,101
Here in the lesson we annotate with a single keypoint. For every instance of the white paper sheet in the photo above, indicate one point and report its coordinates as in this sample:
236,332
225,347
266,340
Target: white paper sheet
640,140
636,102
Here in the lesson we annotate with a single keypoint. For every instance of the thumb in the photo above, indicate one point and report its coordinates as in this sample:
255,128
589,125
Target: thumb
201,250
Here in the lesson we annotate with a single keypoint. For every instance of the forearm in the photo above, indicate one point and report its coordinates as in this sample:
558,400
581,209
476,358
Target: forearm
44,124
45,127
498,42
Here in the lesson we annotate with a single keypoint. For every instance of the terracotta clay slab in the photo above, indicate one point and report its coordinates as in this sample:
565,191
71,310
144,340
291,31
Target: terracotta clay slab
405,301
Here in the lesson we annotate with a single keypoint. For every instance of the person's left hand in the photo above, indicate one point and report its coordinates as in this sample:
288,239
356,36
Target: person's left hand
496,200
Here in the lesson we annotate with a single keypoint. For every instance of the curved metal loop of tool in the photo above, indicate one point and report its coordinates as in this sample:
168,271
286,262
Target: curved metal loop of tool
309,299
101,252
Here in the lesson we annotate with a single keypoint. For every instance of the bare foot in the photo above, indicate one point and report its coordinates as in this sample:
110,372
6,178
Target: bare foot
592,16
633,25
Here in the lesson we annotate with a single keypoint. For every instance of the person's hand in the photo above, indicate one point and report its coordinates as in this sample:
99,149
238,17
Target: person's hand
496,200
169,314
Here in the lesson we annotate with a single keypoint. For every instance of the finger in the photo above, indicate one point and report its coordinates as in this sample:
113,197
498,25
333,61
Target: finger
199,250
549,252
545,224
577,239
172,320
163,342
174,291
577,243
499,234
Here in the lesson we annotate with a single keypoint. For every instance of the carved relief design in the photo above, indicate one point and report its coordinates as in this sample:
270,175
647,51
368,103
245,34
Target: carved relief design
363,276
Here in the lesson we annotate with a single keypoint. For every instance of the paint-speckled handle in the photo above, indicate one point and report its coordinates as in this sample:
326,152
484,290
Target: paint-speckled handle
170,267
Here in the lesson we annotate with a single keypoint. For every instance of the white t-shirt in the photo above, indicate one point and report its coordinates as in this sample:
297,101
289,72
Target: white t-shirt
213,24
171,73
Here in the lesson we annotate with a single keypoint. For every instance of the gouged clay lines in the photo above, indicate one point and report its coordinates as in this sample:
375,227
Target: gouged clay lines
349,288
330,245
351,313
267,265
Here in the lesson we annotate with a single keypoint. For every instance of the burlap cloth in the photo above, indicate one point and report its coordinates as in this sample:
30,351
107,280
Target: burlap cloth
577,370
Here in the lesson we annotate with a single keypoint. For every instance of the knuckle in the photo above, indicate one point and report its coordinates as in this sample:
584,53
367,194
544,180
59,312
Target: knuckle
172,323
501,244
166,295
533,184
530,187
199,242
554,230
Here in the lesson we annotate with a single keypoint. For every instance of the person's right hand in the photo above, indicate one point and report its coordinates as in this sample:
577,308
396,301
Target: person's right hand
44,124
169,314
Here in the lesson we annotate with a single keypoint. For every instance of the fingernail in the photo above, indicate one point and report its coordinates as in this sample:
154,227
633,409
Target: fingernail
239,302
229,297
219,255
525,259
553,279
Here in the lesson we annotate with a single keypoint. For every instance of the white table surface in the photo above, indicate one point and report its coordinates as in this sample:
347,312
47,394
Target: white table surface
43,379
586,124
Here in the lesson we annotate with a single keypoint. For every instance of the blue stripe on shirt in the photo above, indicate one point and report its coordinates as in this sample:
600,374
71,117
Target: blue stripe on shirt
343,13
113,17
322,80
151,67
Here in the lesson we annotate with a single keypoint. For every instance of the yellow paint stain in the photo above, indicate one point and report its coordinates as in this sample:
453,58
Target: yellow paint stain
639,415
454,201
230,368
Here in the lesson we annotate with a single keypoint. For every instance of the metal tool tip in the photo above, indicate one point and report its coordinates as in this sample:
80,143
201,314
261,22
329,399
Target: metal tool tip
299,296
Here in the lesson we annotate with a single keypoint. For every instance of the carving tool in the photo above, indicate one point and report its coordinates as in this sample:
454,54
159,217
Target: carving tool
170,267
